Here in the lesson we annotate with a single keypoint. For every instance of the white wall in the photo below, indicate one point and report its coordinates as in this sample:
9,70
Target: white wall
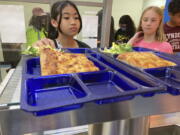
130,7
27,8
159,3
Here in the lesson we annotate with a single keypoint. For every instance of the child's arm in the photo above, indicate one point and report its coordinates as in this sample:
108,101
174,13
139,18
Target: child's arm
137,37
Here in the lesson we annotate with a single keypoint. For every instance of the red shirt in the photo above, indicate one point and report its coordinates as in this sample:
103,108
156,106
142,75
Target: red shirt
173,36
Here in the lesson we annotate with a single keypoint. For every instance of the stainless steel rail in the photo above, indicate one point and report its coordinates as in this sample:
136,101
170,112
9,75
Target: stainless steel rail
136,126
16,121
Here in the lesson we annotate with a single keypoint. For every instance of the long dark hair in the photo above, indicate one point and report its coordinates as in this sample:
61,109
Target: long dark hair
56,10
130,27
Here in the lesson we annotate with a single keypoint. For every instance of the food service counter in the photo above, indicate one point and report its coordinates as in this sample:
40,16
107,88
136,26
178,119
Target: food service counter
14,121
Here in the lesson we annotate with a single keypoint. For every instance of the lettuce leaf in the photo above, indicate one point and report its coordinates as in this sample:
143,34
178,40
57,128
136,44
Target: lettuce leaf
118,48
30,50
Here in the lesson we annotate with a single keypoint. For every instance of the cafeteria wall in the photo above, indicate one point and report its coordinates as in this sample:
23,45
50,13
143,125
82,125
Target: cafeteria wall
130,7
120,7
159,3
27,8
27,13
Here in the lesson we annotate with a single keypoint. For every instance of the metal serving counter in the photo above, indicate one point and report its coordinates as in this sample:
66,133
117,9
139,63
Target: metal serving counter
14,121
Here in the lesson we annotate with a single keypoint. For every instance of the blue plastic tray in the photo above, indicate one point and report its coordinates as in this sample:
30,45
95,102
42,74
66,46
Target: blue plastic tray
58,93
162,73
161,55
137,76
109,84
43,95
164,57
46,95
32,66
170,77
80,50
171,57
141,49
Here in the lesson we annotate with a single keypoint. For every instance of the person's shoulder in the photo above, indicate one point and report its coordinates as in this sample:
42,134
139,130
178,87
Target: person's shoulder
30,29
82,44
168,47
168,28
166,43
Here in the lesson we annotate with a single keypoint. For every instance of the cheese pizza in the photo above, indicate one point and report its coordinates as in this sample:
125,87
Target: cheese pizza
144,60
55,62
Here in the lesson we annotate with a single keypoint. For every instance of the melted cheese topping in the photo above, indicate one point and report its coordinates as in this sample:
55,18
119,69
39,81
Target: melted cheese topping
54,62
144,60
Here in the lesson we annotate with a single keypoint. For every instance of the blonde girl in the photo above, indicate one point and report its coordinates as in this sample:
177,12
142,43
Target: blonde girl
150,32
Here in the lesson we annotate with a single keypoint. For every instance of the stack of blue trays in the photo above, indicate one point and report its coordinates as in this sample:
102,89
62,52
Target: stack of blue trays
42,95
169,76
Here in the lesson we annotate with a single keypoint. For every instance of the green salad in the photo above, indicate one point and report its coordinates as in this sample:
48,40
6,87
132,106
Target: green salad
35,51
118,48
30,50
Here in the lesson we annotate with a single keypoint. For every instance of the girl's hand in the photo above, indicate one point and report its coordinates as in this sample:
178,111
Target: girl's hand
44,42
137,37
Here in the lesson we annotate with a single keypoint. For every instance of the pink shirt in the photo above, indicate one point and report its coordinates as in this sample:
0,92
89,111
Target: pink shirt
158,46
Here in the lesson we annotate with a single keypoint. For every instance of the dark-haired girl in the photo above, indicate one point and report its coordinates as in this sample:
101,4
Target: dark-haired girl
65,24
127,29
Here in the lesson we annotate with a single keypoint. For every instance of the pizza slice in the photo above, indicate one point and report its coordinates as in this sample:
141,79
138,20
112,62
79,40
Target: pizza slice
144,60
55,62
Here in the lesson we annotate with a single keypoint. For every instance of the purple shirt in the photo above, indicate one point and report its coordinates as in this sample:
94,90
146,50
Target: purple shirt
173,36
158,46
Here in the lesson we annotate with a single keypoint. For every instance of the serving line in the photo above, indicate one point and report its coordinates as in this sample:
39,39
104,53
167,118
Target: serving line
16,121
